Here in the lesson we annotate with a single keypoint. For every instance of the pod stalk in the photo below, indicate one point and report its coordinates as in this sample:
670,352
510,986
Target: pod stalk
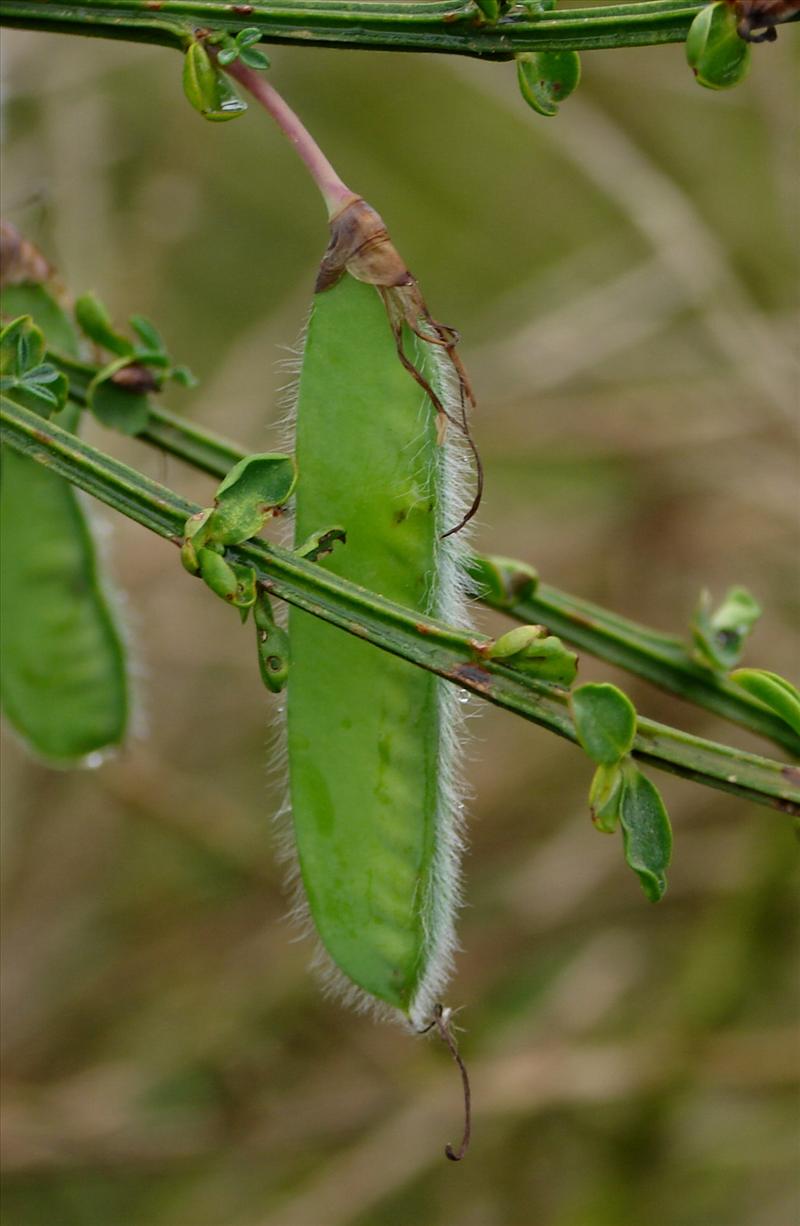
335,193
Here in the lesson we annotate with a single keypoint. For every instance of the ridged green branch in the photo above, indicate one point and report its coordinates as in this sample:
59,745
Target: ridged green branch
457,29
450,653
656,657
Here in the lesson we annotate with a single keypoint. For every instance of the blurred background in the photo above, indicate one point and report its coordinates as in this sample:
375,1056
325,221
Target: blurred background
625,280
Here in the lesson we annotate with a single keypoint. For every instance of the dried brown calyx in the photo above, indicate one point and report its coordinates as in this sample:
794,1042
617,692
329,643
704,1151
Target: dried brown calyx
757,18
360,245
20,262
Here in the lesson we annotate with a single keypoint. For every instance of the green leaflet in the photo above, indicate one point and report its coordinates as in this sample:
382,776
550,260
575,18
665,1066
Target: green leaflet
715,52
64,685
366,732
774,691
605,721
646,831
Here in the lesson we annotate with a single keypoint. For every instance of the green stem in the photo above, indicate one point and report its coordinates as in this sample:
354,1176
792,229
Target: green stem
458,28
450,653
659,658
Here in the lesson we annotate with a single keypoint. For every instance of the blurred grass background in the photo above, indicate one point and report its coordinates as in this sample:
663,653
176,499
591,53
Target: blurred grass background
625,280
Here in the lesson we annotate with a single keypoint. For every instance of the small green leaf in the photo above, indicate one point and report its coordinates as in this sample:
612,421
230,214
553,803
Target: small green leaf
246,38
321,543
646,832
605,721
26,379
773,691
249,495
183,376
515,641
93,319
502,580
535,652
719,635
218,574
605,797
245,585
546,78
227,55
148,334
490,9
718,57
21,347
254,58
119,408
273,646
28,298
193,531
208,90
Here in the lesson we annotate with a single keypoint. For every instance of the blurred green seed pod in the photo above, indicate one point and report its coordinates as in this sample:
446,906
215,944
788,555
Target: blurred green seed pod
716,54
62,657
546,78
209,90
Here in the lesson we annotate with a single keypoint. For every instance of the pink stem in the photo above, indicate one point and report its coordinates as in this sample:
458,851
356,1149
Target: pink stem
335,193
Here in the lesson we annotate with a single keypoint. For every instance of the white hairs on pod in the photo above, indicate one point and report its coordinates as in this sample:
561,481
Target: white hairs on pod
447,602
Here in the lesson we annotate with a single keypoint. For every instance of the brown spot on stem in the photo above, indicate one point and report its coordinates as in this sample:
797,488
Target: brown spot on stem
154,4
792,773
243,10
473,676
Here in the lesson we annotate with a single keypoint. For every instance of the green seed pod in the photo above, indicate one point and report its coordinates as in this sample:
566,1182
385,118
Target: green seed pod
717,55
546,78
209,90
62,658
371,739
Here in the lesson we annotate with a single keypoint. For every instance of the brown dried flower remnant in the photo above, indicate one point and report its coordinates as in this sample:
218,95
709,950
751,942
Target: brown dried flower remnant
763,16
360,245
